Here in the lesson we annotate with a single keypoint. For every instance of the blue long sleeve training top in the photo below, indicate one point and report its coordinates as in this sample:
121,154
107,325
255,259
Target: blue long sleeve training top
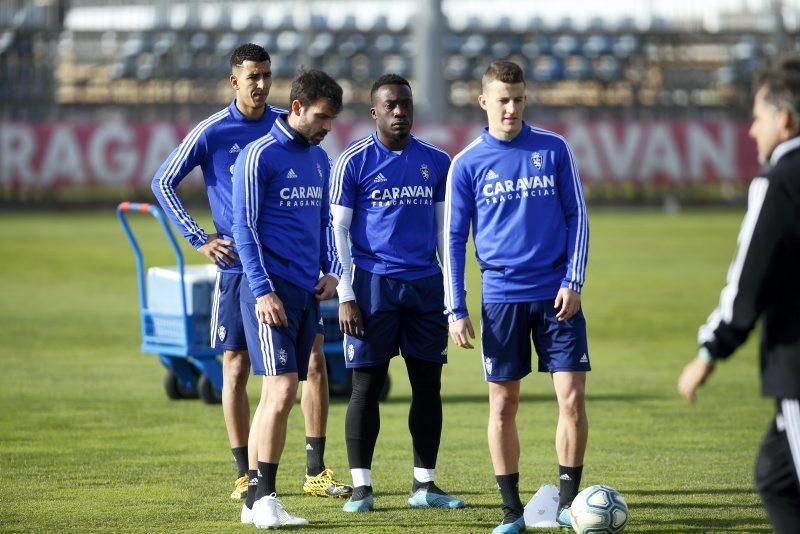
214,145
281,211
392,195
524,200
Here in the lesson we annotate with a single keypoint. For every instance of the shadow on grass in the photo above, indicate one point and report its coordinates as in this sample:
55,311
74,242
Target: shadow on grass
692,491
739,524
483,398
711,525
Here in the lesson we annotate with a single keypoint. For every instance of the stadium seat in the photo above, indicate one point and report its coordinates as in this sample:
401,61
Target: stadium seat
547,69
596,45
321,45
456,67
566,45
474,46
576,68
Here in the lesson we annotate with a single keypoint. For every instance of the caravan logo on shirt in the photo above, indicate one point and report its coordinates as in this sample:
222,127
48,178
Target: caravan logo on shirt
501,190
417,195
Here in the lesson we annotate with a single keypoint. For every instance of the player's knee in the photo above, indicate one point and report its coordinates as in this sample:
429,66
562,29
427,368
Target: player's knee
504,407
572,405
236,367
280,404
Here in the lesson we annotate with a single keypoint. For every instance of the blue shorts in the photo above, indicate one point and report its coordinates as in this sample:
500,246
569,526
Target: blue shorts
227,328
400,316
507,331
277,350
320,326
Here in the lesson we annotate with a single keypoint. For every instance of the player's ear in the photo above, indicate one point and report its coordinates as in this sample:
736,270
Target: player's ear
373,114
482,101
295,107
234,82
785,122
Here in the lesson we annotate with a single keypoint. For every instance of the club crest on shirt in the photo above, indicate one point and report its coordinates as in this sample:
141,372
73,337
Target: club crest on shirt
282,356
425,172
536,159
221,333
351,352
319,171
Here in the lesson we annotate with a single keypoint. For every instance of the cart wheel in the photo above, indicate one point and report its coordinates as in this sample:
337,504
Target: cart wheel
172,386
207,391
190,392
387,385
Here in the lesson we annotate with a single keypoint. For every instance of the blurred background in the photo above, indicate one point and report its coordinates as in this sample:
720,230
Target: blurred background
653,95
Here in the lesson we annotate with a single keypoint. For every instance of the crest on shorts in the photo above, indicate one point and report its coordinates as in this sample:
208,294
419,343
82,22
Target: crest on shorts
351,351
425,172
487,363
282,356
536,159
319,171
221,333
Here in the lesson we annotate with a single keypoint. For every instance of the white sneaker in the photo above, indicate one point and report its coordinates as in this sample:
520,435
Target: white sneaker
247,514
268,512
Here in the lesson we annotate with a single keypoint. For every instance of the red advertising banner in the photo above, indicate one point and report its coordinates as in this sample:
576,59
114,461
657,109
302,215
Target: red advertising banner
62,154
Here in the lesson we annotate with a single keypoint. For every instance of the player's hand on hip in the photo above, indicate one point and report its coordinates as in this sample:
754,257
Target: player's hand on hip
219,251
350,320
569,301
693,376
461,331
326,287
269,310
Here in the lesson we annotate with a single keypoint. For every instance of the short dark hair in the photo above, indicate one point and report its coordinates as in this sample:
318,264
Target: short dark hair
249,52
504,71
781,77
388,79
312,85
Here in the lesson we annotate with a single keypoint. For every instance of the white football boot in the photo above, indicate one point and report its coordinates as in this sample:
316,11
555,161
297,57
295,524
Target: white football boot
268,512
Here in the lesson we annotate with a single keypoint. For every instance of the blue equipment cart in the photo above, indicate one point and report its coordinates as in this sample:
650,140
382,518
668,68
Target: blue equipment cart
175,321
176,326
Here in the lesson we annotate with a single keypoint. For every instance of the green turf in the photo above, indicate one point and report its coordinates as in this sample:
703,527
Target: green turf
89,441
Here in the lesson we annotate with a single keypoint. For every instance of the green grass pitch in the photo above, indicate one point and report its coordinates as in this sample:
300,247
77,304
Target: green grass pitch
90,443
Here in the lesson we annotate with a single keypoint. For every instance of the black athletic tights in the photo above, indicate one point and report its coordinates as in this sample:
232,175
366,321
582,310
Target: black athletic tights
363,422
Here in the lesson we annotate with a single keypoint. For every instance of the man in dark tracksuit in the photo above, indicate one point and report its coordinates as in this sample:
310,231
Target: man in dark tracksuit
764,283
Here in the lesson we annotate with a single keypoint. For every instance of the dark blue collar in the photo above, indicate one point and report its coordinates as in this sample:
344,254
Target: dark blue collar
237,115
517,141
285,133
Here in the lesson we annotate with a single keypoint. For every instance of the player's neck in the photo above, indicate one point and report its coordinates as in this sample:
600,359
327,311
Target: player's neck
504,136
251,113
392,143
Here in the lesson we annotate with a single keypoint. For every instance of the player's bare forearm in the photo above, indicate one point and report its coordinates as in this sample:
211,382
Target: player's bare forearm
350,320
219,251
693,376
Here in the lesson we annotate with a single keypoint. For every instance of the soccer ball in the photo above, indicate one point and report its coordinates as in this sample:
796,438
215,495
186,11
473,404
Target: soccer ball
599,510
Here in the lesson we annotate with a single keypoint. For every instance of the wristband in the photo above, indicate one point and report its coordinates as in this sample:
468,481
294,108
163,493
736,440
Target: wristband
704,353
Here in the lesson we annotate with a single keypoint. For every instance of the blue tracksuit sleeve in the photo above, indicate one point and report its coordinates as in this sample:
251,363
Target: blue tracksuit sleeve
192,151
250,180
459,205
574,208
328,256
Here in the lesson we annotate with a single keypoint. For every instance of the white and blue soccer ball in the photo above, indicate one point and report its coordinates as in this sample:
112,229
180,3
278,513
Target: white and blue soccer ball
599,510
